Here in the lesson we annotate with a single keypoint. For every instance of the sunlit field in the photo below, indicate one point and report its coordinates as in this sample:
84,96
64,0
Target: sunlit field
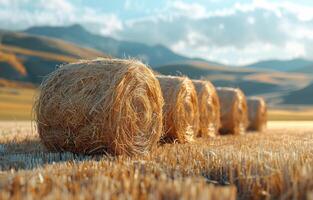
303,114
275,164
16,103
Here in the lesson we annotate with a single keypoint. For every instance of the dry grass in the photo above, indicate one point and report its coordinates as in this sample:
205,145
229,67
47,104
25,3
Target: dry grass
275,165
16,103
305,114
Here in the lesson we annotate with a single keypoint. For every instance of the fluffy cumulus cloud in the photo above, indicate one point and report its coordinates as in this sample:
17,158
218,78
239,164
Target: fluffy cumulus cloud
240,34
236,33
21,14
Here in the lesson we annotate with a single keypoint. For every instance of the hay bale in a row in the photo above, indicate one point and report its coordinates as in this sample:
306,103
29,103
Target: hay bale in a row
105,105
181,113
257,114
209,108
239,113
233,111
116,106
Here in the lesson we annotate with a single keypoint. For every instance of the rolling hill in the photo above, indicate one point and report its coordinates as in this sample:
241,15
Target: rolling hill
303,96
294,65
251,81
28,58
152,55
307,69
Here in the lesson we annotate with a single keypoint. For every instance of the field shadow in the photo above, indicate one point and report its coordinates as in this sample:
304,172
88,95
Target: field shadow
30,154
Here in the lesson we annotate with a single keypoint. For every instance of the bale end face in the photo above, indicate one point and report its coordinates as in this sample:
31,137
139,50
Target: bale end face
100,106
181,115
209,108
257,113
234,117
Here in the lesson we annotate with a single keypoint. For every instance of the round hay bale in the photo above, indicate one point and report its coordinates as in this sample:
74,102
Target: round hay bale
257,113
100,106
209,108
234,115
180,112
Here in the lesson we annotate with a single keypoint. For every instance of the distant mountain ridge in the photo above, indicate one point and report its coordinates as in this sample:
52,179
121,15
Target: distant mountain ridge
302,96
295,65
251,81
153,55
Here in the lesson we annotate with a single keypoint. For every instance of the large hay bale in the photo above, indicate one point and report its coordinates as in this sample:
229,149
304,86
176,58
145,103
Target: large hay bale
209,108
180,112
98,106
257,113
234,115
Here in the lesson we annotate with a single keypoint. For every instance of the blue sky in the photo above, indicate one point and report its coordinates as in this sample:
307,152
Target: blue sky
232,32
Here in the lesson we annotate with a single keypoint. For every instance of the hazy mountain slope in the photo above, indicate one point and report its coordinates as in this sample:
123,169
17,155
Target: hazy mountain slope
29,58
251,81
302,96
153,55
295,65
307,70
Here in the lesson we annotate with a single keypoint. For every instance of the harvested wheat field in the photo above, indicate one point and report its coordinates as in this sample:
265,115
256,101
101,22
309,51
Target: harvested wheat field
277,164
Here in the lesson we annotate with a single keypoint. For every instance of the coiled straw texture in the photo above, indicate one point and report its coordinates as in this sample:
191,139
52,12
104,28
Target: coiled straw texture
257,113
234,116
100,106
181,115
209,108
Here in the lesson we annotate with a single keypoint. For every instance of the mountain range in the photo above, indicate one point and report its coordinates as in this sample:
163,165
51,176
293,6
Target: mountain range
153,55
294,65
30,55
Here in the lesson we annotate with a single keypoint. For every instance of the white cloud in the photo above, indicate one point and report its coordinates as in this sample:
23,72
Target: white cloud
111,25
241,34
127,4
303,33
195,10
303,13
192,10
4,2
56,5
295,49
55,12
251,20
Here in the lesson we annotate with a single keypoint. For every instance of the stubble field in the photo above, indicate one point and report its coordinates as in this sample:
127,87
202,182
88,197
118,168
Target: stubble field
276,164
